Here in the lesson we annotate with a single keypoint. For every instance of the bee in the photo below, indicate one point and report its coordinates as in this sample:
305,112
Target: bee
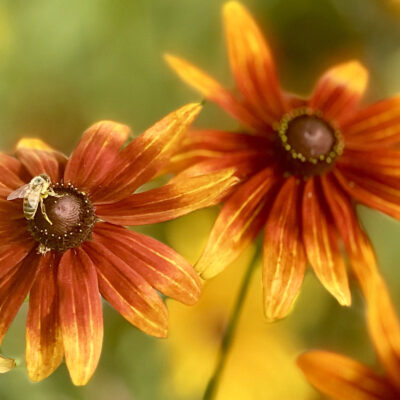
33,194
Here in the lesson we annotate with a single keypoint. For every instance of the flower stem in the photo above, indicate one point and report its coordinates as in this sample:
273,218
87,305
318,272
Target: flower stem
226,343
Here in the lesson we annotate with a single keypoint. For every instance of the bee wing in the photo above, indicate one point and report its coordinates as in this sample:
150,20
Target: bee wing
19,193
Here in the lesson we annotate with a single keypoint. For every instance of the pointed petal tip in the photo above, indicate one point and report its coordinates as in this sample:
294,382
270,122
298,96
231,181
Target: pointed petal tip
353,73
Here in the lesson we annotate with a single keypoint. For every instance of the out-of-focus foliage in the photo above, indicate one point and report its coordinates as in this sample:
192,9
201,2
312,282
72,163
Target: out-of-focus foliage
66,64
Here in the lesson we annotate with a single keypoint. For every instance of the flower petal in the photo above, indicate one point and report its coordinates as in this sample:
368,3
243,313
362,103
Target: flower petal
284,259
378,124
142,159
321,244
44,346
252,64
80,314
383,323
169,201
382,196
213,91
237,225
158,264
96,154
6,364
342,378
12,254
339,90
14,287
38,158
12,172
129,293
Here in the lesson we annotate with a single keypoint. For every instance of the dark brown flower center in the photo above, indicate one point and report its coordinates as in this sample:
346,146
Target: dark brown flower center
72,217
309,144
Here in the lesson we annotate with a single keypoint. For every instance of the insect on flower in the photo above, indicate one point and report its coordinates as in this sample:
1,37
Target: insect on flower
33,193
86,251
303,165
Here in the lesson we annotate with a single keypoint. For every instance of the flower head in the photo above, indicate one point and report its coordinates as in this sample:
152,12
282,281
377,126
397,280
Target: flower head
62,239
302,163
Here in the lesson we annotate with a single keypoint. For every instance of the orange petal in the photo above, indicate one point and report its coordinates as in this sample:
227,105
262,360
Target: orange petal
383,324
142,159
284,259
158,264
14,287
44,347
382,196
96,154
130,294
321,244
378,124
213,91
339,90
342,378
252,64
12,172
38,158
81,316
12,254
238,224
169,201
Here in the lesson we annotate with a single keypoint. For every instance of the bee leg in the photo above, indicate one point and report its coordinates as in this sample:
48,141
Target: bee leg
51,192
43,208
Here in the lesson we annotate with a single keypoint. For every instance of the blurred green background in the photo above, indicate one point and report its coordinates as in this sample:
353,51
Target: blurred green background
66,64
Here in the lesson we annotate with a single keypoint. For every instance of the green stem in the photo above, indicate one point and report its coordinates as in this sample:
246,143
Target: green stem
226,343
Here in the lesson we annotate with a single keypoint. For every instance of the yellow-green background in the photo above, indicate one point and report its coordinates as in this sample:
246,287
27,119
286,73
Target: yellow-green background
66,64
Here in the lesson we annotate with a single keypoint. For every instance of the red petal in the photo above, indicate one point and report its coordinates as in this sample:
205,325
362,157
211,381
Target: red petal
238,224
81,316
128,292
44,347
12,173
213,91
252,64
378,124
382,196
284,259
14,287
96,155
342,378
339,90
158,264
38,158
178,198
12,254
321,244
146,155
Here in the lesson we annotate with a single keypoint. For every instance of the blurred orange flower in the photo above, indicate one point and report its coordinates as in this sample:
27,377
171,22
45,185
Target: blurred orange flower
303,165
75,246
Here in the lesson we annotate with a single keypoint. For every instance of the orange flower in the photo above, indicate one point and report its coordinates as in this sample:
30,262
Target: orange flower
342,378
302,164
75,247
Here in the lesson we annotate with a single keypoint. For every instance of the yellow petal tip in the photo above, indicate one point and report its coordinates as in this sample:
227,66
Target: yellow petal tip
33,144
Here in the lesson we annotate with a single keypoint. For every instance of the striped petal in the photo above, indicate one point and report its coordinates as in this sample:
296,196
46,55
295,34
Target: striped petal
38,158
321,244
44,346
12,173
342,378
95,156
339,90
158,264
128,292
383,323
14,287
252,64
284,259
237,225
378,124
213,91
142,159
383,196
80,314
12,254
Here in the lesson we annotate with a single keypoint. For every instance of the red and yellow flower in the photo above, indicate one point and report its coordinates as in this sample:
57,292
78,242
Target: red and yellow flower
85,251
303,165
